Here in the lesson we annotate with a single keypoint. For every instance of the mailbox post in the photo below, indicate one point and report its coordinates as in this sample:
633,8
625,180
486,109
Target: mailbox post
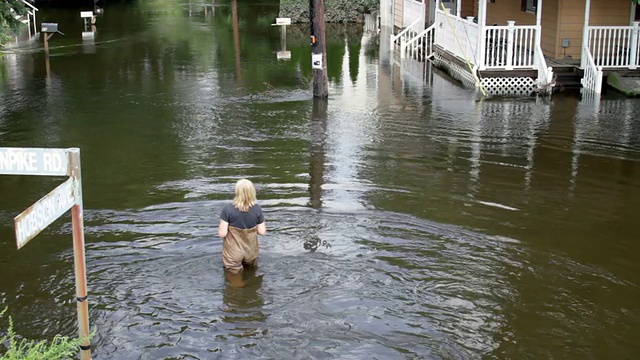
48,29
283,54
88,18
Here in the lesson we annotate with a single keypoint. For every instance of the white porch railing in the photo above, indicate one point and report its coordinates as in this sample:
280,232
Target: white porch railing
457,35
615,46
510,47
405,35
28,19
545,73
31,16
592,78
413,10
507,47
421,46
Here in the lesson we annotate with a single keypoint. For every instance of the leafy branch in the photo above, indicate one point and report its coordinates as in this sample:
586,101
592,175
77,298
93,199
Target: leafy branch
61,347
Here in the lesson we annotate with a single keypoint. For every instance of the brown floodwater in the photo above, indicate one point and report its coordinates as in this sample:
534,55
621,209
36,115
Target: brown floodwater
408,217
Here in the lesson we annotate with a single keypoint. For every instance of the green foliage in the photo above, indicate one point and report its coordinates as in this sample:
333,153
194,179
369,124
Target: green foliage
9,25
61,347
335,11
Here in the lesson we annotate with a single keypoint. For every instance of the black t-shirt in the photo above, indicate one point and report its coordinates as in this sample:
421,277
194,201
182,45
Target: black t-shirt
242,220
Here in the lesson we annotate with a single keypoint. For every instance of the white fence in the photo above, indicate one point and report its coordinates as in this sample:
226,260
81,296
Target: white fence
592,78
421,46
545,82
506,47
405,35
413,10
510,47
615,46
457,35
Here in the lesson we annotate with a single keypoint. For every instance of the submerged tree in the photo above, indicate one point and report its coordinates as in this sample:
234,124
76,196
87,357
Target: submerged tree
11,13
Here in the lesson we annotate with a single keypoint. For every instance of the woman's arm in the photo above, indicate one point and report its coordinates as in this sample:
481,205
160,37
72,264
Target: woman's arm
262,228
223,229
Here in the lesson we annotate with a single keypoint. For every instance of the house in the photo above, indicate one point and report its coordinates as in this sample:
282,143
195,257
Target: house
506,46
29,19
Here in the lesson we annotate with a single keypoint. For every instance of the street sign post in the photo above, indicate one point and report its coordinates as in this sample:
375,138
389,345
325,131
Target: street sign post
45,211
34,161
68,195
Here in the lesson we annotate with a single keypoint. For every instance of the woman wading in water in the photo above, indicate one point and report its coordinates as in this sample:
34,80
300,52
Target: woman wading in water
240,224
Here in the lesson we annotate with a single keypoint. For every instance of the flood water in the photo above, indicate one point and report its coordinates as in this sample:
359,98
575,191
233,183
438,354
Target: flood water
407,219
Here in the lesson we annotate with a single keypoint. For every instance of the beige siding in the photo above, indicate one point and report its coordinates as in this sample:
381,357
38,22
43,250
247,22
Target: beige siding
398,6
612,12
550,19
468,8
603,13
501,11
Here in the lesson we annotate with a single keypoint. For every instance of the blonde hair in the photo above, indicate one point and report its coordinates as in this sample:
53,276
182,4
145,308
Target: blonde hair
245,195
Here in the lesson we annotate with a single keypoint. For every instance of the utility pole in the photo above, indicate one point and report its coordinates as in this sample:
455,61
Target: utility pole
318,49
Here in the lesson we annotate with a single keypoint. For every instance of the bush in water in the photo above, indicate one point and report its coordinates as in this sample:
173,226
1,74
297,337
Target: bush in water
61,347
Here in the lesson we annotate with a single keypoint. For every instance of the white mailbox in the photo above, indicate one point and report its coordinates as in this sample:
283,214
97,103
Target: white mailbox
283,21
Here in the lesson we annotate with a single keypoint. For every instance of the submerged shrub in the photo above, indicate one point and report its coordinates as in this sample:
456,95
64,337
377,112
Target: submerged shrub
61,347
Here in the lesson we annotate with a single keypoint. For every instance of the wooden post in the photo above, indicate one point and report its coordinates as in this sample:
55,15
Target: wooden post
77,223
236,38
318,49
46,44
47,66
316,168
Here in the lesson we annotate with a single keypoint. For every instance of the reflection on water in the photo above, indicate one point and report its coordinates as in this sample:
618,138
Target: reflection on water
242,298
458,228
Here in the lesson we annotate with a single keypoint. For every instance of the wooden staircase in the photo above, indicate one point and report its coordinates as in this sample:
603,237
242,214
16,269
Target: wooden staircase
568,78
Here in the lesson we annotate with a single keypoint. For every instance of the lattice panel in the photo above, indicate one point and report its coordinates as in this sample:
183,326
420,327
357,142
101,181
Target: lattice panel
524,86
509,85
456,71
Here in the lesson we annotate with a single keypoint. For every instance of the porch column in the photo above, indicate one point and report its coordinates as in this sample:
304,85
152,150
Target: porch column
459,8
482,38
585,34
633,46
539,23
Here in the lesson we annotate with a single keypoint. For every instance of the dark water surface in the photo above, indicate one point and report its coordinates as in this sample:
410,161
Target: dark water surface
459,229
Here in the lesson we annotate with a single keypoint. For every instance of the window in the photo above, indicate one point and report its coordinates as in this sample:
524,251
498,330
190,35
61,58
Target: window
530,5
